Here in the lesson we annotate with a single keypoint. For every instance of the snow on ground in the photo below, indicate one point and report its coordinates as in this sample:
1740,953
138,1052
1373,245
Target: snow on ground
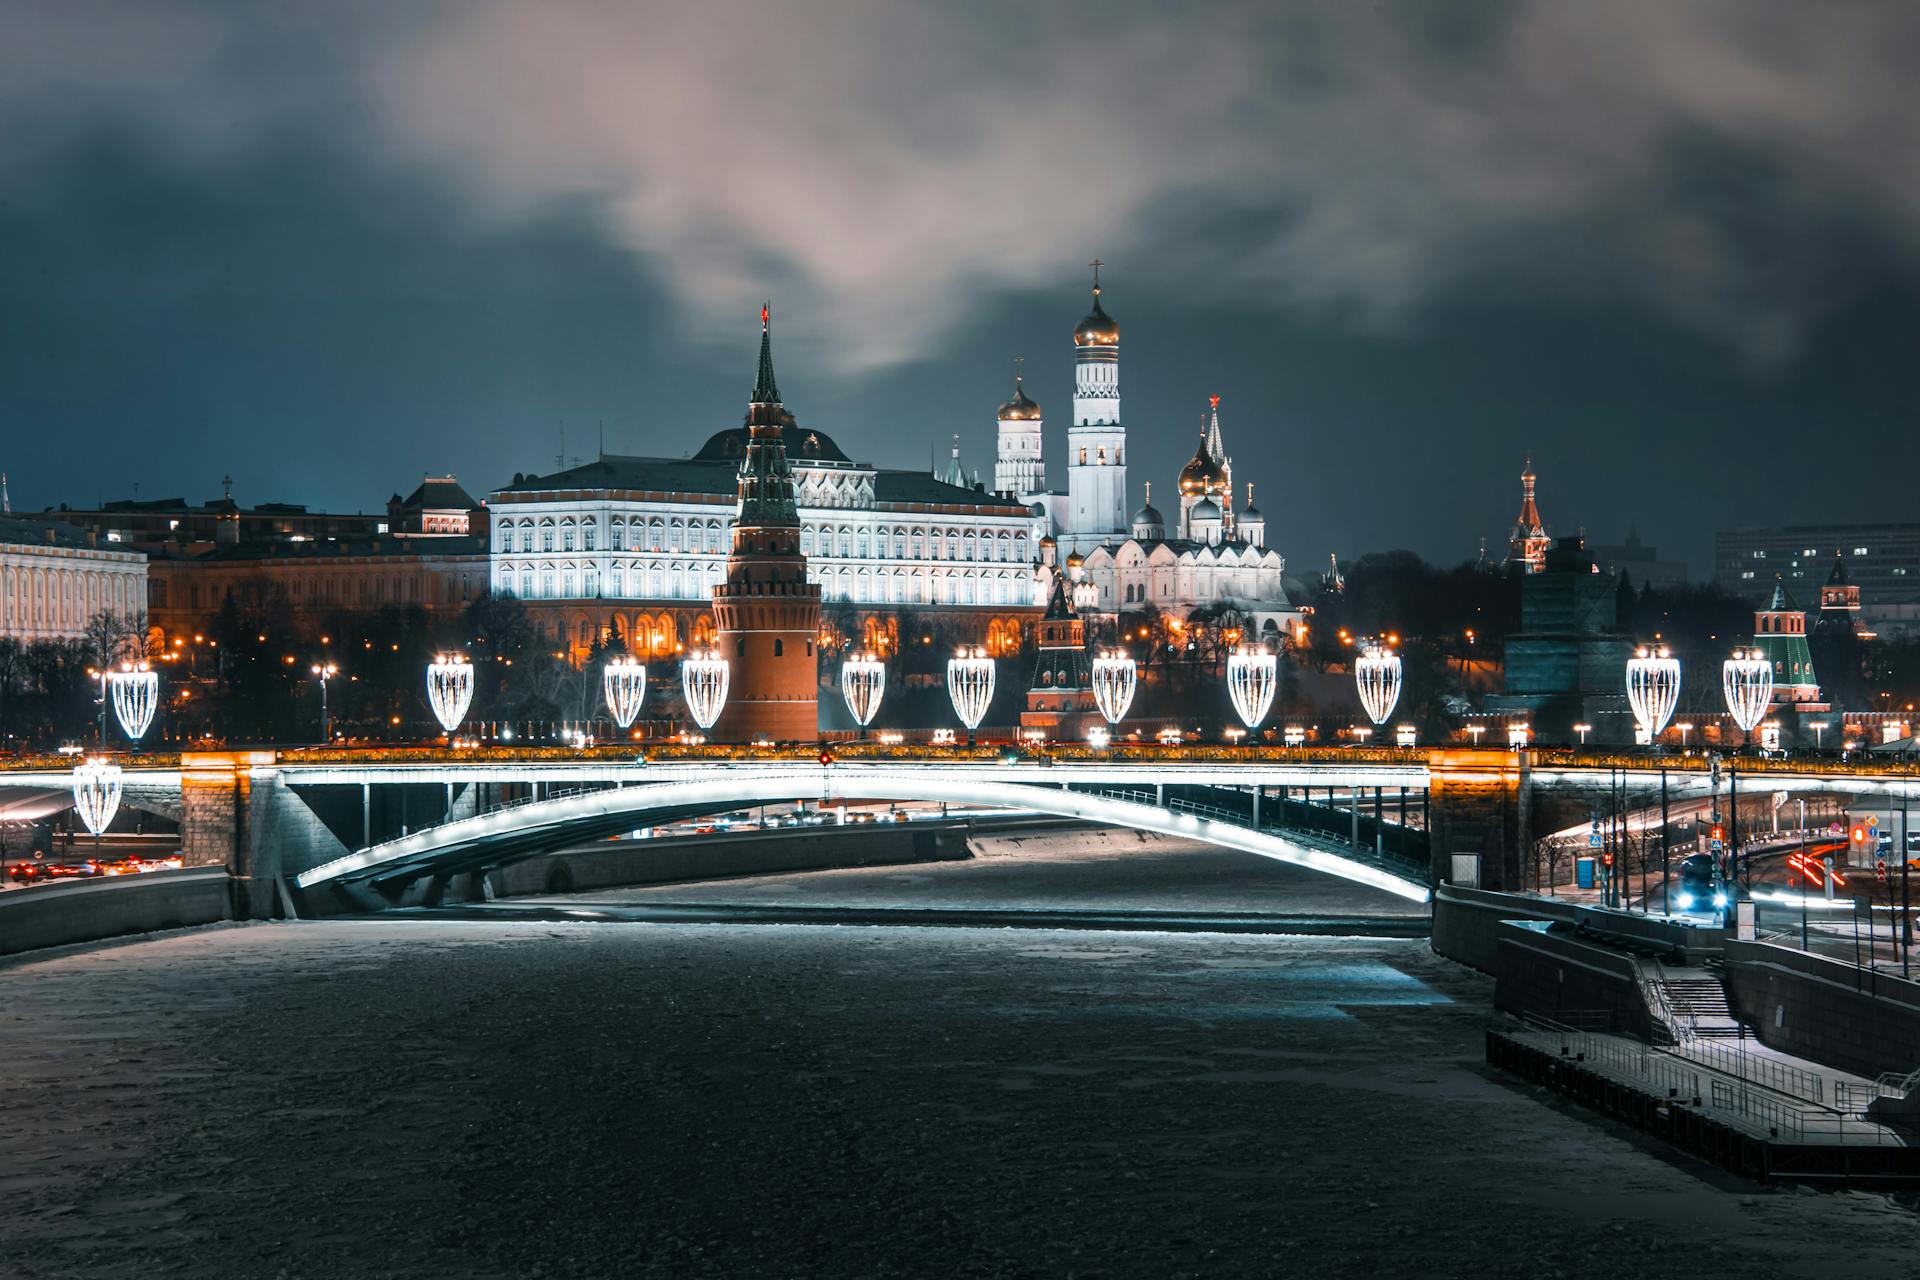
394,1097
1097,869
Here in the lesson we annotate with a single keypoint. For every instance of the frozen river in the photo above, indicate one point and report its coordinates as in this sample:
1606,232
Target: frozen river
491,1097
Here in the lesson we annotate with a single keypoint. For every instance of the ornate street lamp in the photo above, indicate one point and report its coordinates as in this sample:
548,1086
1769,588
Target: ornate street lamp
1653,689
970,686
96,793
1251,677
1747,681
136,692
1115,676
703,678
323,672
863,682
624,681
1377,673
450,689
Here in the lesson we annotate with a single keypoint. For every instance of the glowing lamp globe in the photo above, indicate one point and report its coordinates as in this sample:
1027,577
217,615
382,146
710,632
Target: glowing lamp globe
863,682
1747,681
1115,676
136,693
1252,675
703,678
624,681
1376,672
96,793
970,685
1653,689
450,689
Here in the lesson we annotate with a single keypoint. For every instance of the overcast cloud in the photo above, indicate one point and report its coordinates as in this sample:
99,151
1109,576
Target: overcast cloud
874,157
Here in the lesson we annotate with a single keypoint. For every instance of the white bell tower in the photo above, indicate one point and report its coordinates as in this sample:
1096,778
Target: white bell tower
1096,442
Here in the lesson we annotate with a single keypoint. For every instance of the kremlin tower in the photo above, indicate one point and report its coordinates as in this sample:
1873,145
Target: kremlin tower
1528,545
766,613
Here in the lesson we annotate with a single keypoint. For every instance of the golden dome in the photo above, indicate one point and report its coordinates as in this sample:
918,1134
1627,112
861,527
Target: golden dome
1202,474
1021,408
1099,329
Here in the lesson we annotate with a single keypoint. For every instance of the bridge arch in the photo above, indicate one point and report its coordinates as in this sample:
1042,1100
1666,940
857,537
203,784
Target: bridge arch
524,830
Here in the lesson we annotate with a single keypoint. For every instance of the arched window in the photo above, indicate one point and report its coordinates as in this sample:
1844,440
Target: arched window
566,536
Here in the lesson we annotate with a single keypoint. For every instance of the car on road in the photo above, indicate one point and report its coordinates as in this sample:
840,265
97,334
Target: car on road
1700,888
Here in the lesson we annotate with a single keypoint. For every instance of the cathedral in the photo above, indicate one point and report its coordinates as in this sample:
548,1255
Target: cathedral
1215,556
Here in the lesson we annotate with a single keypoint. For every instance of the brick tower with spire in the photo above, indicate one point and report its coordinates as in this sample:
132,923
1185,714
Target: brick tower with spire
766,613
1527,548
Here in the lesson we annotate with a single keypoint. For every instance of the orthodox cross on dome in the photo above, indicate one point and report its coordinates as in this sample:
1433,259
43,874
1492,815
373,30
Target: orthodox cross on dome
1018,361
1096,264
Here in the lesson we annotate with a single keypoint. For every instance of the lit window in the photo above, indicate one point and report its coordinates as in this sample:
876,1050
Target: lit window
1859,551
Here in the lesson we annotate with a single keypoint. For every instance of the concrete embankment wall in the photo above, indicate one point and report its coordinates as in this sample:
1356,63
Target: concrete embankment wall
1466,922
1549,972
1824,1010
720,855
54,915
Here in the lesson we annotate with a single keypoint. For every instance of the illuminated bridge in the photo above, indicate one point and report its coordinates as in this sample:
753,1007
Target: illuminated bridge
331,827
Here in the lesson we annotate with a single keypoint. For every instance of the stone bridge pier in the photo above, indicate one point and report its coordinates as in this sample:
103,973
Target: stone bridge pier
237,812
1484,802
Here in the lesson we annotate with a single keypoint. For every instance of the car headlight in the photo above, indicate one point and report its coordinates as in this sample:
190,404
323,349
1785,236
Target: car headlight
1719,899
1685,900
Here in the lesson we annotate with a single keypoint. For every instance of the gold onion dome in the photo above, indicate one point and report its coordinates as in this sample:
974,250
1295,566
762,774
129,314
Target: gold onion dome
1202,474
1021,408
1099,329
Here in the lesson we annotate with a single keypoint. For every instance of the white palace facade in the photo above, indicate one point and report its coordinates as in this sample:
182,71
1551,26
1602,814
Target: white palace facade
635,545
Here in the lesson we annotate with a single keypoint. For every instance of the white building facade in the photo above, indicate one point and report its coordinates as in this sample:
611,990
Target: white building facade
655,529
54,579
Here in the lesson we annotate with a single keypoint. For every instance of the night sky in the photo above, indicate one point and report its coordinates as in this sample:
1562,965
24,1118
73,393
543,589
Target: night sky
1670,250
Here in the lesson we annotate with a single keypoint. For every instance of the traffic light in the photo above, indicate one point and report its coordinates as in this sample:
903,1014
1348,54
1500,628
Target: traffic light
1859,843
826,756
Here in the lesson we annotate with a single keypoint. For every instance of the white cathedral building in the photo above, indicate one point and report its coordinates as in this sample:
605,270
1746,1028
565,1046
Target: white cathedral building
1125,563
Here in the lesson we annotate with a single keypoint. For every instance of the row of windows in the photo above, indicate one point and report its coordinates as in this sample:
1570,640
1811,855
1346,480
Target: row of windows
696,582
565,535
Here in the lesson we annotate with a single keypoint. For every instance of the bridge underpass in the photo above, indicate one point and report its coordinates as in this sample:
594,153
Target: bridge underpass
1206,812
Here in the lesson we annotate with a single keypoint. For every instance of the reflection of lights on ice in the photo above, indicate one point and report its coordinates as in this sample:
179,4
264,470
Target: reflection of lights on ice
1115,676
703,678
1653,689
96,793
970,686
136,692
1746,679
863,681
450,689
1377,674
625,684
1251,677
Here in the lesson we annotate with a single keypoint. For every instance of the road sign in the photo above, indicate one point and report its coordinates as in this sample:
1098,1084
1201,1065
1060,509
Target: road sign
1836,828
1593,840
1872,821
1880,868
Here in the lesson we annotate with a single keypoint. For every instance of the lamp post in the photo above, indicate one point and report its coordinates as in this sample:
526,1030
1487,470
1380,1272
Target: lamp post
325,671
1583,730
1376,672
1684,729
136,694
450,689
970,675
1115,676
703,679
863,682
1653,690
1746,682
624,684
1251,679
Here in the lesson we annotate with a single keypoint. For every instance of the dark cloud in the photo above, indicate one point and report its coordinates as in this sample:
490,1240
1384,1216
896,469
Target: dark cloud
278,238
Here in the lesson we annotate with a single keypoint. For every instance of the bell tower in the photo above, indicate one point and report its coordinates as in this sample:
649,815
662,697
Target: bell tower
766,613
1096,442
